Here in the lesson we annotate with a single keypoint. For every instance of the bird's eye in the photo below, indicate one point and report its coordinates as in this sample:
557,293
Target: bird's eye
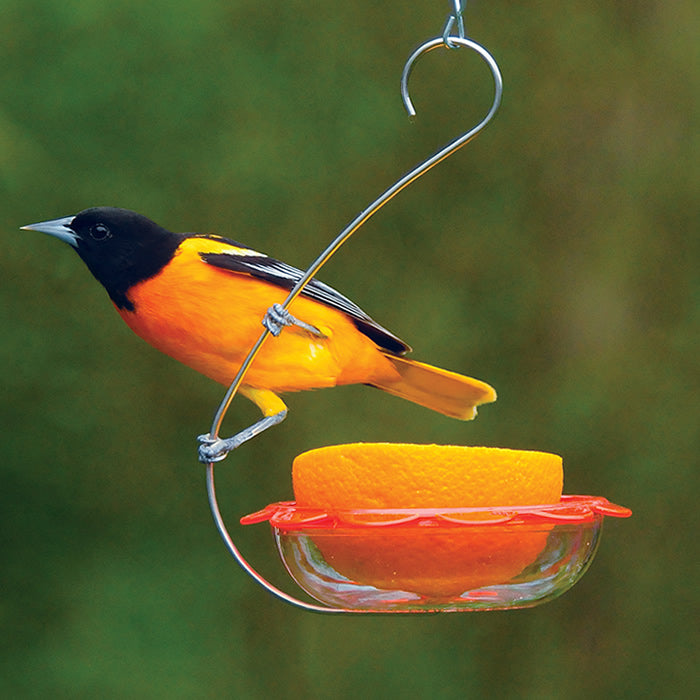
99,232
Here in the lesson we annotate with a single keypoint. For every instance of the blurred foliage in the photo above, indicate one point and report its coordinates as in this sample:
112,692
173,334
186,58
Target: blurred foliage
555,257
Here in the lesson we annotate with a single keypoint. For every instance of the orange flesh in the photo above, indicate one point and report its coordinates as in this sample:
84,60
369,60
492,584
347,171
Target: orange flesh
435,562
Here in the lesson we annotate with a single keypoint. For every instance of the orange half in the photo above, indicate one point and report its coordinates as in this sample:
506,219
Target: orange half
435,562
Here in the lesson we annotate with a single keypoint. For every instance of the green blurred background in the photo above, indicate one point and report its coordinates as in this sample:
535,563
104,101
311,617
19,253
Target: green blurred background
555,257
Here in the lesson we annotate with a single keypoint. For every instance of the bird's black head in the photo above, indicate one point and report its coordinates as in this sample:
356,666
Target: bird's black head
120,247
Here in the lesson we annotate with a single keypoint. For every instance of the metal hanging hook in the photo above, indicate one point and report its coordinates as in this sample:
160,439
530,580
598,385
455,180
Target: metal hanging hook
323,258
378,203
438,43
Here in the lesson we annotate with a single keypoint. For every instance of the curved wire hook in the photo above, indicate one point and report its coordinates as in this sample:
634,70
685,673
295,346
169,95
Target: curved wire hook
378,203
321,260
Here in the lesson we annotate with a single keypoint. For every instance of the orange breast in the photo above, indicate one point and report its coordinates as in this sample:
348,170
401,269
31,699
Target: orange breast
209,318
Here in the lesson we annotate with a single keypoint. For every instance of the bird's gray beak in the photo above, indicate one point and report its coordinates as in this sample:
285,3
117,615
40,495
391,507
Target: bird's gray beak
56,227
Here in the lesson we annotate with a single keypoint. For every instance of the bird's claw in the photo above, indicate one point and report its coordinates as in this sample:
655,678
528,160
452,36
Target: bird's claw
212,449
277,317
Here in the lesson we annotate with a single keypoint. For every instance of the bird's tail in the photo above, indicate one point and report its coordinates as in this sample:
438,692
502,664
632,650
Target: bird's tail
438,389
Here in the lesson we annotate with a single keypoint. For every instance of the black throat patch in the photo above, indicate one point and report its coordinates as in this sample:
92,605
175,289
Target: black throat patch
119,269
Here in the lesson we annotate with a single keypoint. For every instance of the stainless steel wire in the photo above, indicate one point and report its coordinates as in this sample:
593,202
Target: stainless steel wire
446,41
454,18
385,197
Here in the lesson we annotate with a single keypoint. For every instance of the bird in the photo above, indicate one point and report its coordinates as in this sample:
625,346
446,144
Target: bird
201,298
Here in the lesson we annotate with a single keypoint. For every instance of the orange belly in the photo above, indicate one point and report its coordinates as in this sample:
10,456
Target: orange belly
209,319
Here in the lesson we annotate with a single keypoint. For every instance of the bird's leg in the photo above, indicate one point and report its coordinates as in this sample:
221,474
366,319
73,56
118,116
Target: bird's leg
214,449
277,317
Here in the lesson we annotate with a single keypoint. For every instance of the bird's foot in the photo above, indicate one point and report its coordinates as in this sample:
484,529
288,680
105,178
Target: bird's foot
214,449
277,317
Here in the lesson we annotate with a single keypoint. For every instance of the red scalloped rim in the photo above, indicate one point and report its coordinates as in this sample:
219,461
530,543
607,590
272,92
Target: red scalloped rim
286,515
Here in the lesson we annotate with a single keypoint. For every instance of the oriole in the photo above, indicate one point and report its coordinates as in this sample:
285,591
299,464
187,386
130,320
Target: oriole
200,298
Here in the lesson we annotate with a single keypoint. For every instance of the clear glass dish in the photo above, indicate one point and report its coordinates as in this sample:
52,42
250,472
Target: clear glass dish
451,559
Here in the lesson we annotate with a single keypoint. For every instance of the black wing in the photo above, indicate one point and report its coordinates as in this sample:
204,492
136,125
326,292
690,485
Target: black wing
285,276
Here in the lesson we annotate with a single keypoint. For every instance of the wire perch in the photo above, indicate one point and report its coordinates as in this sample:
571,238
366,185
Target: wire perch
221,447
447,41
